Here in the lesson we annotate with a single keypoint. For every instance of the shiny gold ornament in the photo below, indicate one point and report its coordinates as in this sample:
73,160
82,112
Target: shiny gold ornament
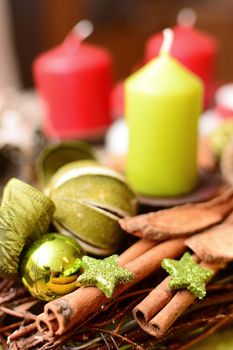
57,154
50,266
89,200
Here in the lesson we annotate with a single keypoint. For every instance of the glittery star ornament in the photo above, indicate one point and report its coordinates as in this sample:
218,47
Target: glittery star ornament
104,274
187,274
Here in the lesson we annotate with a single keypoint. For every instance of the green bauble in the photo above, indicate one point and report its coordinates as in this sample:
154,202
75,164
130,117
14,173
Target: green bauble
89,201
50,266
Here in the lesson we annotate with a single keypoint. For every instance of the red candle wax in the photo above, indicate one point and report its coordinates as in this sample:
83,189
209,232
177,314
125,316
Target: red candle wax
74,80
194,49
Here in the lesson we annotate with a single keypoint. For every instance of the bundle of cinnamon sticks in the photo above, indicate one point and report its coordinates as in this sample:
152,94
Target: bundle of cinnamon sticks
213,246
205,228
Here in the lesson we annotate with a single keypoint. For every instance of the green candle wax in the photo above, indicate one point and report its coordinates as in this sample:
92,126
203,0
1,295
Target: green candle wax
163,104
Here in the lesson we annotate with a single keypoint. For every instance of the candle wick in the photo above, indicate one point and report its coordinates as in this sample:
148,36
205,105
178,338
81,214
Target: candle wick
83,29
168,37
187,17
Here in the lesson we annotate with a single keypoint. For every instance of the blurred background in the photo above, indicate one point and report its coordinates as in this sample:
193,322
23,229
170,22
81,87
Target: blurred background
30,27
122,26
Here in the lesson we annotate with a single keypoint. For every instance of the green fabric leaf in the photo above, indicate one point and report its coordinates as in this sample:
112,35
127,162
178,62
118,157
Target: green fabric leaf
25,215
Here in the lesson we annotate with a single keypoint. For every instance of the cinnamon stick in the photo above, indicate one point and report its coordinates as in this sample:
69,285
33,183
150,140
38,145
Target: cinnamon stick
159,324
75,308
214,245
137,249
180,221
153,303
165,314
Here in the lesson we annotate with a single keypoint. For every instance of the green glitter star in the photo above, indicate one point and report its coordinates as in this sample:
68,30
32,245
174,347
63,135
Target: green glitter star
104,274
186,273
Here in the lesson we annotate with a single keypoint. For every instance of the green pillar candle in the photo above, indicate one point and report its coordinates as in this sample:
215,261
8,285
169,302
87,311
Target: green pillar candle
163,104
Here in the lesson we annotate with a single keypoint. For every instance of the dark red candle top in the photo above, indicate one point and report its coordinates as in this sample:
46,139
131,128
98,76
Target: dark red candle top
188,42
73,54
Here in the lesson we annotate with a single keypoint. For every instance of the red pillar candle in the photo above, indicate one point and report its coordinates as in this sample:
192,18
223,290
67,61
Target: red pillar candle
194,49
74,80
